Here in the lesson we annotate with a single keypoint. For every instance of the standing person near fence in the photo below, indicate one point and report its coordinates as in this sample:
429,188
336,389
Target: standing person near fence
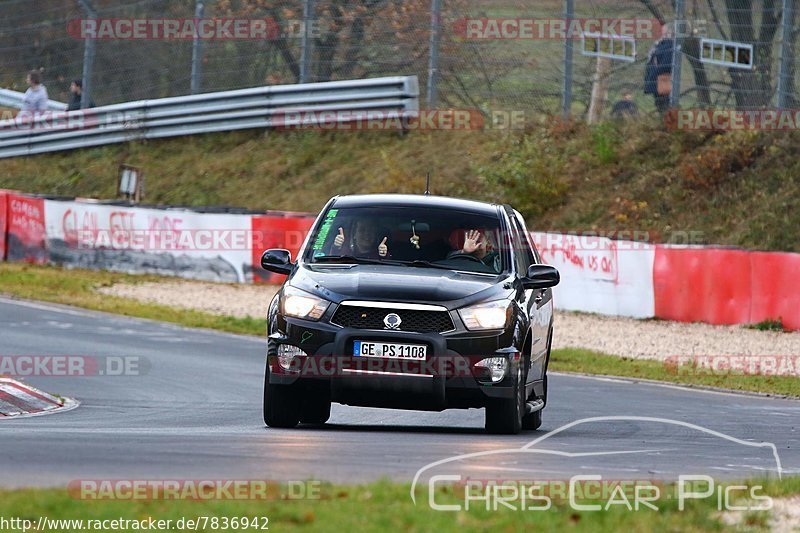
658,71
76,93
35,98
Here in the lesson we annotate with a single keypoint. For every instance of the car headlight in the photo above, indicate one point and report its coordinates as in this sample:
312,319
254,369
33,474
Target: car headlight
301,304
490,315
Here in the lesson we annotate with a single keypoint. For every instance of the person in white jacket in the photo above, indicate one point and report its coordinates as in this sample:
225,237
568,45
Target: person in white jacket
35,99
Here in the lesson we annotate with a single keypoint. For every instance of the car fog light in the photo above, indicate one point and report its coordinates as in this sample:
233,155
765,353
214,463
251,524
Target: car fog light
493,367
287,354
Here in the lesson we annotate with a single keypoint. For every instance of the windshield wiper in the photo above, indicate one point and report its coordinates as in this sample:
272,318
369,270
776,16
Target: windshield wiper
345,259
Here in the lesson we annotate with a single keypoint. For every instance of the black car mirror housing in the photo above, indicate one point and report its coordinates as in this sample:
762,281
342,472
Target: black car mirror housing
277,260
541,277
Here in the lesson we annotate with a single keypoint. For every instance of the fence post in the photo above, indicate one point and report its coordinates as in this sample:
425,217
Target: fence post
88,58
305,46
566,93
787,55
197,49
677,53
433,52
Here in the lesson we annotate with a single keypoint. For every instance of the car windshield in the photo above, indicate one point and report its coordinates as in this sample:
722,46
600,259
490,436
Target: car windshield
412,236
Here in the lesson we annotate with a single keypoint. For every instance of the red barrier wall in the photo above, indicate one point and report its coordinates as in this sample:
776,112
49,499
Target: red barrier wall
776,288
271,231
26,230
724,286
702,285
3,224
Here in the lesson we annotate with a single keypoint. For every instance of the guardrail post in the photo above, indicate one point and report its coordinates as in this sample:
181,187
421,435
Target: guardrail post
433,51
677,53
197,48
305,50
787,54
566,90
88,58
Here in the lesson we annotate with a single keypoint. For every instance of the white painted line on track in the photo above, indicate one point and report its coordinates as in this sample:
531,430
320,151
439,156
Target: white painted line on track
676,386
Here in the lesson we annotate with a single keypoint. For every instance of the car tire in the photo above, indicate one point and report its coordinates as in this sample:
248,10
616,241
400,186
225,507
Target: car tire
504,416
315,408
281,407
533,420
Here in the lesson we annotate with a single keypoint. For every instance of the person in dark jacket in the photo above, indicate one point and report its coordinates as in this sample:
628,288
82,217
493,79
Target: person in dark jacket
625,108
659,62
76,92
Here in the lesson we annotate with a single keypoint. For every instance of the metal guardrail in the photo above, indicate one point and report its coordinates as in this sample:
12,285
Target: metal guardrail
258,107
9,98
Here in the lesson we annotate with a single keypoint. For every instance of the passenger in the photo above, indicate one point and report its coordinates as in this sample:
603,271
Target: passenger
362,244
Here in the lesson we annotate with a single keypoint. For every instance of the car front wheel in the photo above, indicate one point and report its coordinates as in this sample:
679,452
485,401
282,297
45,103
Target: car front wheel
315,407
281,406
504,416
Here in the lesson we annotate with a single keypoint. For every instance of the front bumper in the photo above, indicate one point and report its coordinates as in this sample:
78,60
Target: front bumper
446,379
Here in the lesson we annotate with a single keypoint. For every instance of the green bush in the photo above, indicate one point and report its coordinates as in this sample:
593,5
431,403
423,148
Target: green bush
528,172
605,138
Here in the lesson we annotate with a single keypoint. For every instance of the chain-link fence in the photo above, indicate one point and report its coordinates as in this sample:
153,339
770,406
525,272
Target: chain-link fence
467,53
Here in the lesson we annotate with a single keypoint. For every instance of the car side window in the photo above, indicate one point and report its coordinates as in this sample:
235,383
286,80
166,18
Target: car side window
522,250
526,239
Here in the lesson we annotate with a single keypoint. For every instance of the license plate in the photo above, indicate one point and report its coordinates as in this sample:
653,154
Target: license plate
390,350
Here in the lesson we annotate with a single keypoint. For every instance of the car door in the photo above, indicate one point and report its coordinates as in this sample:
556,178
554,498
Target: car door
540,302
525,298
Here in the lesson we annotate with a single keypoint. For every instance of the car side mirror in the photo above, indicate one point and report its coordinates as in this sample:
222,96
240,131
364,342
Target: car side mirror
277,260
541,277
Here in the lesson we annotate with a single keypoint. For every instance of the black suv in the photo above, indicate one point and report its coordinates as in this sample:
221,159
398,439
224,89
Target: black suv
411,302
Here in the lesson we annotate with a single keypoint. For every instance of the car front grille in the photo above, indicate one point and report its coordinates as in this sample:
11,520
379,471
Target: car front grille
418,321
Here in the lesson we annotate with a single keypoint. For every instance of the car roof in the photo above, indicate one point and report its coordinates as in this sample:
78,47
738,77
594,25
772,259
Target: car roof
414,200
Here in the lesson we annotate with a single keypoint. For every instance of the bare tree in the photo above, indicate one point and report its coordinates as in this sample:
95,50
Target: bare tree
753,88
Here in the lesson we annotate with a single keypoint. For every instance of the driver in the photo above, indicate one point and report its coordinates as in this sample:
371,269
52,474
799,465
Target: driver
362,243
479,245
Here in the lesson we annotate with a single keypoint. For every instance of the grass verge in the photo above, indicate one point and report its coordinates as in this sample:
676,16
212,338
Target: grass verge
591,362
76,287
387,506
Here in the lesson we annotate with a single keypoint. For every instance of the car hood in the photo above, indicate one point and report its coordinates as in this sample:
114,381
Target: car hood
397,284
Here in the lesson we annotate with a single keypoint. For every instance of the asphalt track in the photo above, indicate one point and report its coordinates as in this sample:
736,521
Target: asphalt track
196,414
